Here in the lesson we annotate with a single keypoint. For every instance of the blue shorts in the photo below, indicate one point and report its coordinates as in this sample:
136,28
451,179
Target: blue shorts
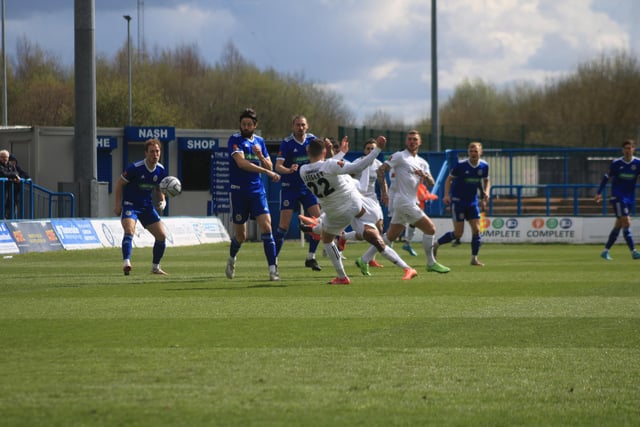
247,206
290,198
464,211
147,215
620,207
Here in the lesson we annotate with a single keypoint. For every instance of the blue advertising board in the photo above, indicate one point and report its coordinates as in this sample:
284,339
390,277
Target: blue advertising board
197,144
34,236
107,142
7,244
142,133
220,175
76,233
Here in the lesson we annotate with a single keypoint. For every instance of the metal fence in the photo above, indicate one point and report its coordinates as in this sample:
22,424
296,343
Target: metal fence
540,181
27,200
457,137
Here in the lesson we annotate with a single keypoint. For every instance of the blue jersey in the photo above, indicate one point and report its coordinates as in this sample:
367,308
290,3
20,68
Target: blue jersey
624,176
467,180
138,193
292,151
241,180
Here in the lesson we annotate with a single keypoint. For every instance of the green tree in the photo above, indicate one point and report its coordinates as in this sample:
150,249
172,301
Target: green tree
41,90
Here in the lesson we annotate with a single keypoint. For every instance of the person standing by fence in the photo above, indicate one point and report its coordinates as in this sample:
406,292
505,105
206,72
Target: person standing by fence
623,172
8,170
18,187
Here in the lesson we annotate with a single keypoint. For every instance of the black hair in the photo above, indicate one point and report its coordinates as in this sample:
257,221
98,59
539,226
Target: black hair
315,147
370,141
249,113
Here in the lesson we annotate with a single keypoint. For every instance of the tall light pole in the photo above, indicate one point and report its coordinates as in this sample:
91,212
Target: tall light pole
128,18
435,126
4,75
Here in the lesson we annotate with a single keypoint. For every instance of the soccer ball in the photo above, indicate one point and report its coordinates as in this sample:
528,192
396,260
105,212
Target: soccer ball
171,186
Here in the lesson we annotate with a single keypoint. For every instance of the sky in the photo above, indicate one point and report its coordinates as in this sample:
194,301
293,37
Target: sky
376,54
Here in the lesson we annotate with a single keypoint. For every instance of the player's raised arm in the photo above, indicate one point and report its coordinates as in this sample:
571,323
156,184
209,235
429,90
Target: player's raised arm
366,161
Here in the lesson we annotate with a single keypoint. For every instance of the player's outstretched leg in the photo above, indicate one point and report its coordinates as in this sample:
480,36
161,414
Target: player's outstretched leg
334,255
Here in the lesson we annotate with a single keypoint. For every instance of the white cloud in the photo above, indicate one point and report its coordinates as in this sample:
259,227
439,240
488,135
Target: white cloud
384,71
375,53
503,41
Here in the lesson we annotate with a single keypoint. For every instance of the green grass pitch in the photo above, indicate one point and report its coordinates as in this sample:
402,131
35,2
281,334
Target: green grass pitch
542,335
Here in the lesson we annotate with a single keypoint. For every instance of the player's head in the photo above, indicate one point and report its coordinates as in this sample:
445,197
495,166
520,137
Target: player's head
628,148
474,150
248,122
369,145
152,150
300,126
413,141
316,148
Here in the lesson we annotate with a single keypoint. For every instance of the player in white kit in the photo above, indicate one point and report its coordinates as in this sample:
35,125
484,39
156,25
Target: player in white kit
410,170
342,204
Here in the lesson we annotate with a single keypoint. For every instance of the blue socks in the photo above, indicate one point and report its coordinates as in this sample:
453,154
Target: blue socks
158,251
127,246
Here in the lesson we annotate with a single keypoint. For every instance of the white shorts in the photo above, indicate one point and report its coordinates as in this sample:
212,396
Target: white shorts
390,208
371,216
337,220
358,225
374,211
408,213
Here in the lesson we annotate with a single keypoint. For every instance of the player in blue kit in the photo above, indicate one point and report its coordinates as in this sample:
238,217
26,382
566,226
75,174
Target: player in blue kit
248,158
134,193
623,173
291,155
461,194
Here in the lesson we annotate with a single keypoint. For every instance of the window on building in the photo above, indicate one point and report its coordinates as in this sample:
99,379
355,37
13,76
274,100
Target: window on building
196,170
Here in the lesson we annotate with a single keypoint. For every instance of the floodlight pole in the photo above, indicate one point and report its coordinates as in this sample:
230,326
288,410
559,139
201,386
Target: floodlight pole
128,18
5,120
435,126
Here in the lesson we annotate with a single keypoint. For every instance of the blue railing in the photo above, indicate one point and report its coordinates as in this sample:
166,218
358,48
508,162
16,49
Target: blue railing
541,179
548,190
27,200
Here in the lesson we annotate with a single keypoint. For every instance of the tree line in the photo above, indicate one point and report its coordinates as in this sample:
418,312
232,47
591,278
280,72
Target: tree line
170,87
594,106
